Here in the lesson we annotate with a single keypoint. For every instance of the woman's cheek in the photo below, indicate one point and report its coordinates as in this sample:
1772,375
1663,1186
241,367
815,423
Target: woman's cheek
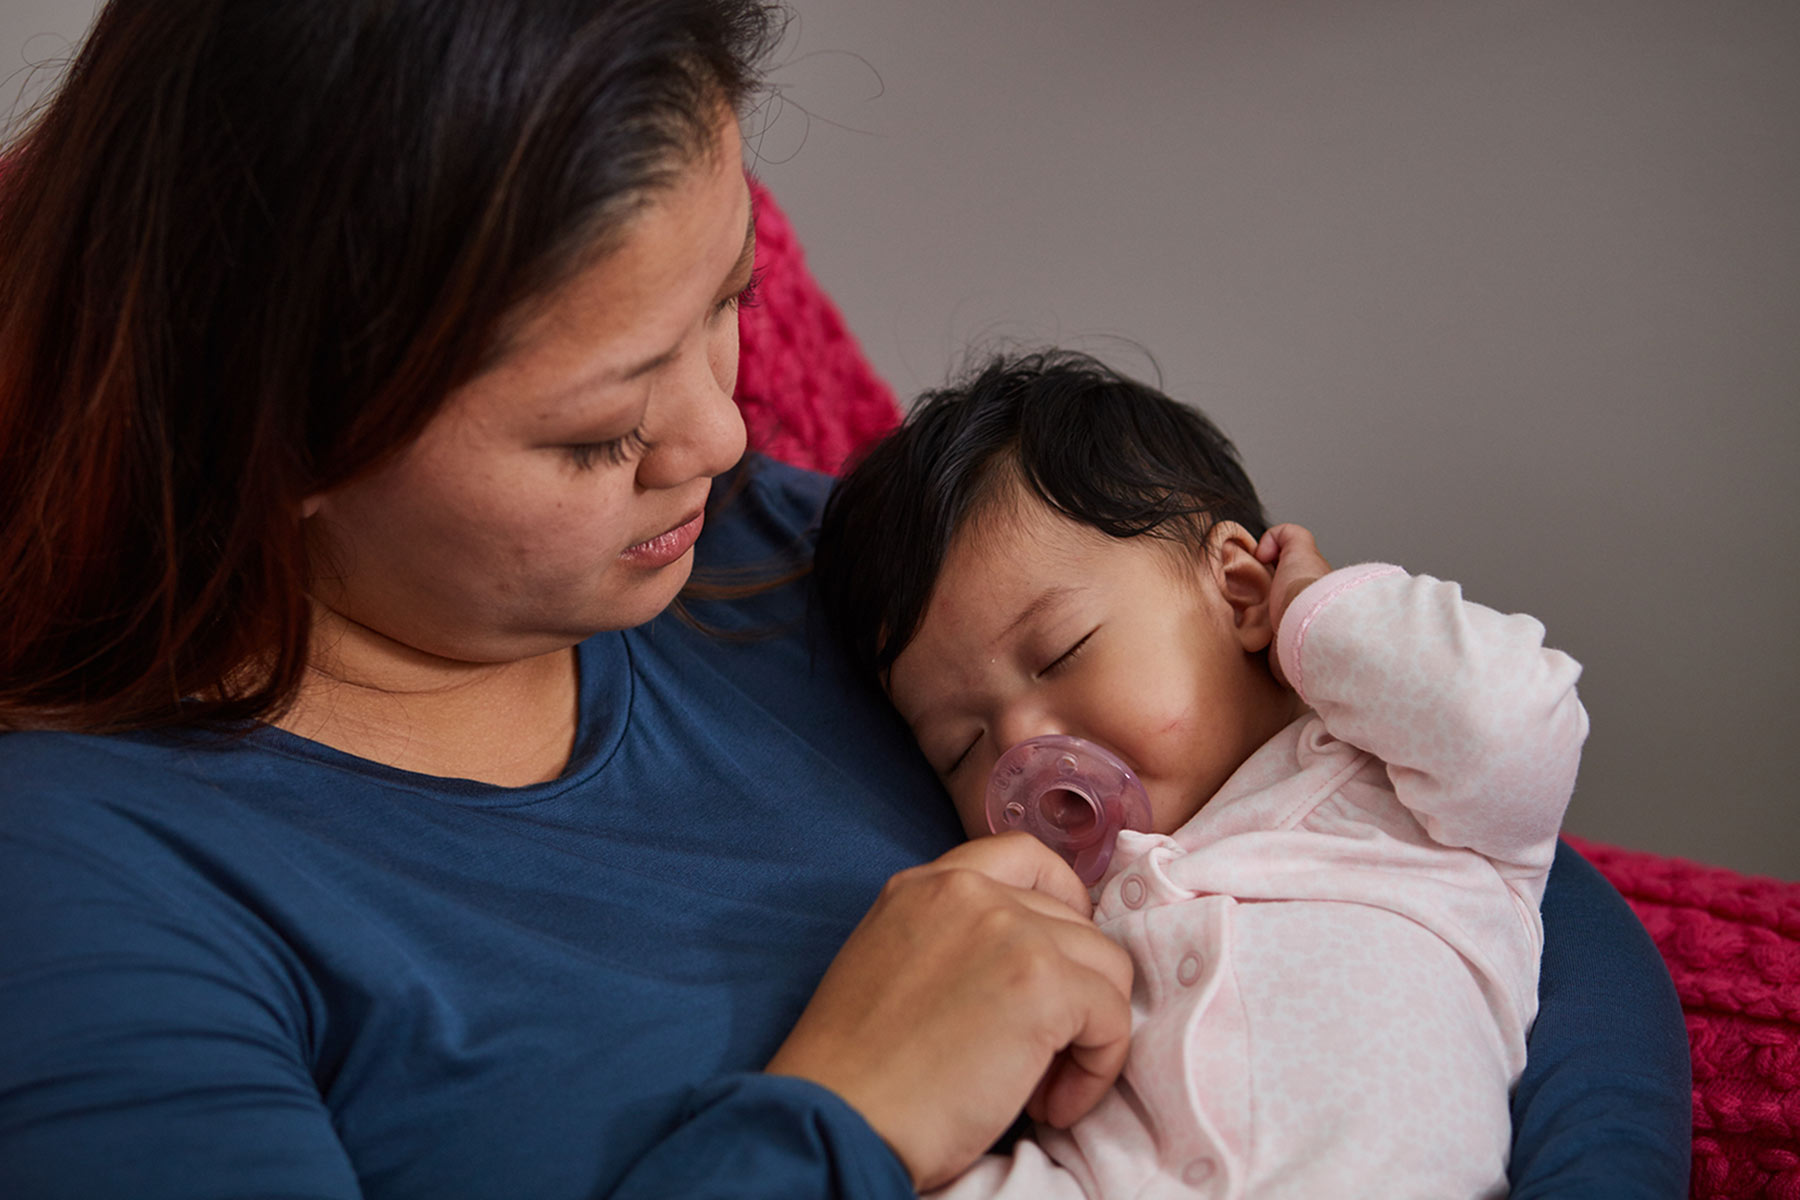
566,538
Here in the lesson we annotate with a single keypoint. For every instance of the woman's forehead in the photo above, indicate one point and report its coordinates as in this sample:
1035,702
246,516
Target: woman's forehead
624,313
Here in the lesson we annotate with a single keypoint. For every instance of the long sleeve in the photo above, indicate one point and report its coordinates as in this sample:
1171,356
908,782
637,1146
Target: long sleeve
183,1027
1477,720
747,1137
152,1050
166,1040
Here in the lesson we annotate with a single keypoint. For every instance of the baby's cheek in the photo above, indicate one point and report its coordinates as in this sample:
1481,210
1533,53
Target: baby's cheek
1181,768
1176,723
1170,717
971,808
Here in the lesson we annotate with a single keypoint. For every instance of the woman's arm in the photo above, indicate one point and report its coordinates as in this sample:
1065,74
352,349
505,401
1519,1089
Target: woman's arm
1605,1108
170,1034
977,984
149,1052
758,1135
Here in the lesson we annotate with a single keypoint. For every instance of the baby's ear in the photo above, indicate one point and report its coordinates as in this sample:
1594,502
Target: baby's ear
1244,583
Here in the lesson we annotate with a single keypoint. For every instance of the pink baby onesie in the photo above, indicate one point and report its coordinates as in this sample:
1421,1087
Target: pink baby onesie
1337,957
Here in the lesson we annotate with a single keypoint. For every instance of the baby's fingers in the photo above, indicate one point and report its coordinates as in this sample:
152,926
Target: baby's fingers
1268,547
1284,539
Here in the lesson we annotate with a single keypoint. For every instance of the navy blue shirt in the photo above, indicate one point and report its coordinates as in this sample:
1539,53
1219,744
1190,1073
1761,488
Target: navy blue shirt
262,967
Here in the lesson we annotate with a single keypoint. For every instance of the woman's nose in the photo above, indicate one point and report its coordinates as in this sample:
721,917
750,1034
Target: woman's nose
702,432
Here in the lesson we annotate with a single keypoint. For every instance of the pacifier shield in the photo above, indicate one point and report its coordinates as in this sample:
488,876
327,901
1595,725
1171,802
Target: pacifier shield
1071,795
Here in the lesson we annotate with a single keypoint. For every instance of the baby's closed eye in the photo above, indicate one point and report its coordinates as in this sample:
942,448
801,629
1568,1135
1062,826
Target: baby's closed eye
1067,656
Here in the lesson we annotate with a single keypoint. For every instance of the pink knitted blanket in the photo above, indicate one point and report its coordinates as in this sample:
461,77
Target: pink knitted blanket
1732,943
807,393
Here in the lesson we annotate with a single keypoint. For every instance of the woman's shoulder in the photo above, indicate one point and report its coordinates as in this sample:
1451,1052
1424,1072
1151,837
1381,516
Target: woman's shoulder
783,483
155,807
101,838
41,764
91,790
762,509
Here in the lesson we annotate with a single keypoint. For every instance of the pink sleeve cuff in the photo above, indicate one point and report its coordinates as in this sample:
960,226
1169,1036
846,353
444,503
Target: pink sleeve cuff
1290,639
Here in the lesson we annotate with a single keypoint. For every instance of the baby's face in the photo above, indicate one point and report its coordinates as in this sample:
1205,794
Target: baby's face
1039,624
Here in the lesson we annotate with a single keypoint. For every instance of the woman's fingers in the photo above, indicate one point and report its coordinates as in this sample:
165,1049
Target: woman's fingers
1021,861
970,982
1080,1074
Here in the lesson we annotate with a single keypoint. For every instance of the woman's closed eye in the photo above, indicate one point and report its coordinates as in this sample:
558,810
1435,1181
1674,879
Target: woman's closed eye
621,450
744,297
615,451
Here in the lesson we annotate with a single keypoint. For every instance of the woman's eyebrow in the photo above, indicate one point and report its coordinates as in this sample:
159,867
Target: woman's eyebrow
638,370
745,260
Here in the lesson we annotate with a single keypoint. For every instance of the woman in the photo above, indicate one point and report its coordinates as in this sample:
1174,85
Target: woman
371,825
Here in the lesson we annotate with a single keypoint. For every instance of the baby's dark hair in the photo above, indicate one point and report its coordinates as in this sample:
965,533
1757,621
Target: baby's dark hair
1105,450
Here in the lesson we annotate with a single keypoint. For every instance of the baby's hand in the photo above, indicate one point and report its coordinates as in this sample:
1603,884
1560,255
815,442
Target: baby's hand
1290,549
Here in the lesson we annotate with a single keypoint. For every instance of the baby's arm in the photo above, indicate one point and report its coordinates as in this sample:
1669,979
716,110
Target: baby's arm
1477,720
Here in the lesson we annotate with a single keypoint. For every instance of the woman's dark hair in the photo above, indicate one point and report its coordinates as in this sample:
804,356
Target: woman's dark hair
1102,449
246,251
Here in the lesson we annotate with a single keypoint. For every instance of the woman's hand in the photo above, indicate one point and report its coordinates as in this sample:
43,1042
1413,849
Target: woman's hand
975,984
1291,551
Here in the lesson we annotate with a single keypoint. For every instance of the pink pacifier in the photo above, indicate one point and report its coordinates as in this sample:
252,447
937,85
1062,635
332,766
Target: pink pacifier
1071,795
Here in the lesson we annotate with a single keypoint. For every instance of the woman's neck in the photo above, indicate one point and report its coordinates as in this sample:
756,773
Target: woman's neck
508,724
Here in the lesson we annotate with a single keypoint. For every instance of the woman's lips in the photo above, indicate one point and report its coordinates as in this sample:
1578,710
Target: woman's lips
665,548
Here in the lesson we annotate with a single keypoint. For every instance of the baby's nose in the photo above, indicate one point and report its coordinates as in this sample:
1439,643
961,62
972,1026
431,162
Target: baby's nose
1018,727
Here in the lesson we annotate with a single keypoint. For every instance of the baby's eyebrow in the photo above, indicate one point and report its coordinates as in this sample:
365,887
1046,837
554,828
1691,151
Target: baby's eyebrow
1046,599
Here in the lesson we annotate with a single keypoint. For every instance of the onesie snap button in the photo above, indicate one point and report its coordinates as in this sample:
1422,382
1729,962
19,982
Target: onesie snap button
1189,970
1197,1172
1132,892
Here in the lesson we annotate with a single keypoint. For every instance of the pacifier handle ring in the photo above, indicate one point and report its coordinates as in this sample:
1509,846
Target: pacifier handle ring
1104,793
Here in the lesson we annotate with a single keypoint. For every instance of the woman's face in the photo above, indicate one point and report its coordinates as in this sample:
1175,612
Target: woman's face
559,493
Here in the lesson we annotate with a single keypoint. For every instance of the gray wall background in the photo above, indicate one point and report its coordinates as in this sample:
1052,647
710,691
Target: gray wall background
1508,292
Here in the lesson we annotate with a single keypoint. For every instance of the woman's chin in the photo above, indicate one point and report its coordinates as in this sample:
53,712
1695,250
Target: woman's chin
646,592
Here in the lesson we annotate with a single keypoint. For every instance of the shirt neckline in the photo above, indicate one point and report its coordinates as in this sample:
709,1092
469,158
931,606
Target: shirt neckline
605,688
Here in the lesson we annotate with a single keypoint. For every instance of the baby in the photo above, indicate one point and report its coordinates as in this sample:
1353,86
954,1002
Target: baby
1355,781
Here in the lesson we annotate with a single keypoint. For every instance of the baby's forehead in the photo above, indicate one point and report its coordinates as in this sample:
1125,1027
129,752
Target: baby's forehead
1012,541
1016,529
1022,572
1008,513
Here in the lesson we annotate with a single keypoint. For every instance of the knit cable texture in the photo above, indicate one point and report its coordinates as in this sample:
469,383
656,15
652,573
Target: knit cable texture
1732,944
808,395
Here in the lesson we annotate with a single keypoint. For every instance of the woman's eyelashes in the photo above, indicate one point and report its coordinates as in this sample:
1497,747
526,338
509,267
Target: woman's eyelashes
621,450
615,451
744,297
